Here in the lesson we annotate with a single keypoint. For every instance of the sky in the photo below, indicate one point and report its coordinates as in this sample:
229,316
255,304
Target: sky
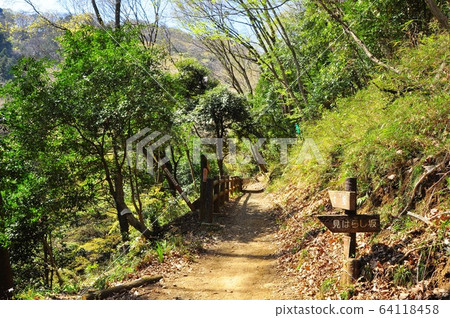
54,6
41,5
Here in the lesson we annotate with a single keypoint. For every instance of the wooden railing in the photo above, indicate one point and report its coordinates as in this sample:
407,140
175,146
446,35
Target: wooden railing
214,192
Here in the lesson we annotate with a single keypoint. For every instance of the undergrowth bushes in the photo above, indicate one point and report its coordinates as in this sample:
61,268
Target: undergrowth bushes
385,134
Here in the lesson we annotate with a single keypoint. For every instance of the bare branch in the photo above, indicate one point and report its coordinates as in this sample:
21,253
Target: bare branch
337,16
53,24
97,13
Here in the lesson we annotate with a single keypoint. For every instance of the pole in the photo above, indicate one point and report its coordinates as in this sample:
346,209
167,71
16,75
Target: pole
209,193
203,179
217,191
351,264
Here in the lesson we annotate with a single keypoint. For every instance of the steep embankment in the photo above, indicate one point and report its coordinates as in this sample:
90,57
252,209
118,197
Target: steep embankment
392,136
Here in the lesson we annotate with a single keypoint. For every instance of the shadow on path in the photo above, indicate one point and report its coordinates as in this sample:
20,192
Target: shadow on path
242,265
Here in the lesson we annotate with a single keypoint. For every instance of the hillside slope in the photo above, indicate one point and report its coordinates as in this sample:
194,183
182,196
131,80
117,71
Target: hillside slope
392,136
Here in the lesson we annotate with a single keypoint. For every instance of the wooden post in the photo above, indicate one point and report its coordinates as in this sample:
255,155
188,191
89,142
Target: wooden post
202,212
203,179
231,185
351,264
216,191
222,189
227,188
209,194
349,223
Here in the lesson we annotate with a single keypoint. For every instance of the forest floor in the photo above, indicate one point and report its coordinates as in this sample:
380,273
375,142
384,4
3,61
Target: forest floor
257,250
242,264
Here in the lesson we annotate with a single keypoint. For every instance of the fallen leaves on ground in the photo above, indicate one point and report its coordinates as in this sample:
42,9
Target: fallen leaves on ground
394,264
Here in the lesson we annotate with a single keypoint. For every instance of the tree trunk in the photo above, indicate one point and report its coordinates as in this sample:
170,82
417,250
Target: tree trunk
173,189
125,215
129,217
438,14
120,288
119,198
268,40
97,13
118,192
6,276
117,14
51,260
220,165
287,41
135,195
46,268
191,167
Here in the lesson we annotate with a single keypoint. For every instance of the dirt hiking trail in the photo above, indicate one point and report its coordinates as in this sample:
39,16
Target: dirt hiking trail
242,265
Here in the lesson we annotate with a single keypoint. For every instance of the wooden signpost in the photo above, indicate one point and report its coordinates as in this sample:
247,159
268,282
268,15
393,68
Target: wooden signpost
349,223
343,200
203,181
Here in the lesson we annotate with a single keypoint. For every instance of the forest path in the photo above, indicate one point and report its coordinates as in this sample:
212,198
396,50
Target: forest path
242,265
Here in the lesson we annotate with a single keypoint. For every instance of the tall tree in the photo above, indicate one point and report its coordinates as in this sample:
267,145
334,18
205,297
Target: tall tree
117,14
256,26
7,56
6,276
97,13
101,97
438,14
218,111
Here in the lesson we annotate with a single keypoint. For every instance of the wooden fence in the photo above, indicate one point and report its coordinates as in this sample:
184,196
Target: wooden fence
214,192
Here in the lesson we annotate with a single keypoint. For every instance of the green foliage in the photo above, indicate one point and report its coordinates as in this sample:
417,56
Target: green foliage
30,294
404,225
302,258
347,294
367,273
219,110
402,276
327,285
69,126
162,248
333,65
7,56
63,165
375,133
194,78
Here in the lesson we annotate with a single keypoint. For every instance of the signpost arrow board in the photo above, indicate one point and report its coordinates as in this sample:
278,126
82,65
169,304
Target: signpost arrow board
343,199
351,223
